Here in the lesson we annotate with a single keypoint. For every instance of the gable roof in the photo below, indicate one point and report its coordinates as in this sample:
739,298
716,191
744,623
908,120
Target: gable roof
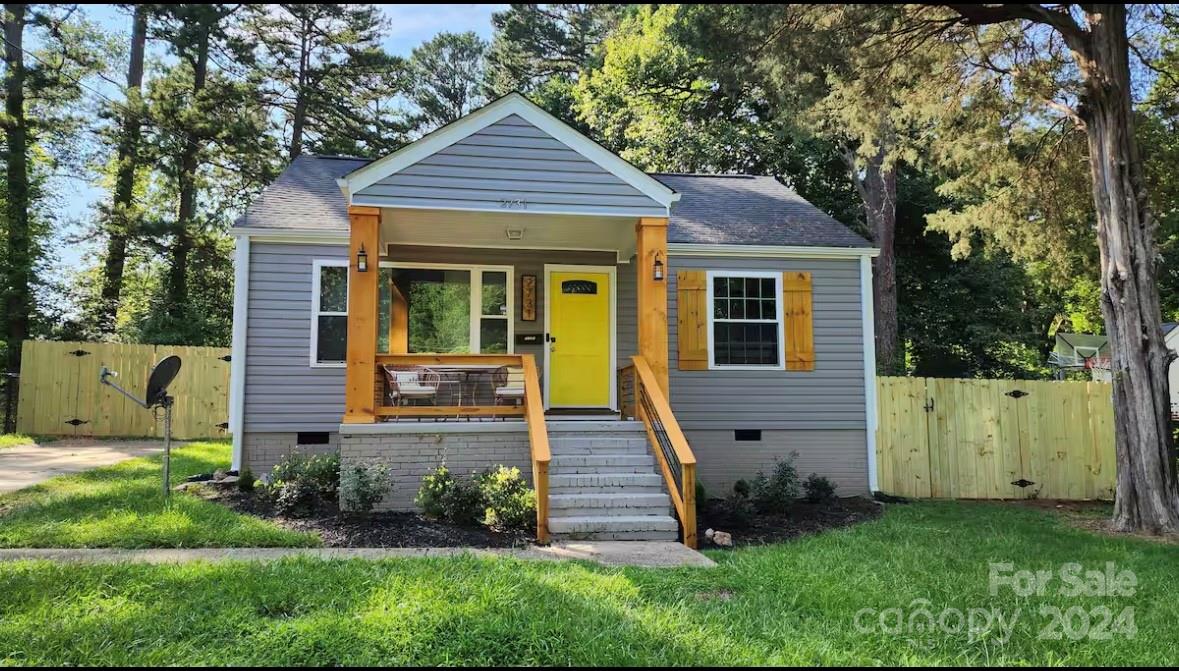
713,209
509,106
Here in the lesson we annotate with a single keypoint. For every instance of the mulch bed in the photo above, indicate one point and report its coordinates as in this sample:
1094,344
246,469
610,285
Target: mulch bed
378,530
803,518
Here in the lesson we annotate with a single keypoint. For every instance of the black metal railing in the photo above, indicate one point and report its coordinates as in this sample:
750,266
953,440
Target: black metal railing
659,431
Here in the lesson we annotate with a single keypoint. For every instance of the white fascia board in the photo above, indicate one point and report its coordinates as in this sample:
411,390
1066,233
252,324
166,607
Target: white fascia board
309,236
770,251
517,104
868,328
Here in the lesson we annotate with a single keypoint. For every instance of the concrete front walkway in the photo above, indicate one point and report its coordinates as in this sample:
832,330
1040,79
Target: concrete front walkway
26,465
657,554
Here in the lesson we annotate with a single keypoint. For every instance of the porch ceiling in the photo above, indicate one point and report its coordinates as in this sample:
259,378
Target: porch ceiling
490,229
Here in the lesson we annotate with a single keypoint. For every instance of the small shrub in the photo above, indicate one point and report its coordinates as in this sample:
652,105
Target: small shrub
443,496
818,488
742,488
324,472
736,511
295,498
509,503
246,481
363,486
775,493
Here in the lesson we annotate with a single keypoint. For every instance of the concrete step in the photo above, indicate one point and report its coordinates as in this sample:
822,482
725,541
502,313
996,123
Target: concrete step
602,463
605,480
559,426
600,527
576,447
648,503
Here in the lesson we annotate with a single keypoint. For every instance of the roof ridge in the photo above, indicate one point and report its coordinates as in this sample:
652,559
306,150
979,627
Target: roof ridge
734,175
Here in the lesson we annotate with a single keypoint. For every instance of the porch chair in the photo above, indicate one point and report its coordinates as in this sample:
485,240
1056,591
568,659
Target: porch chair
509,386
406,384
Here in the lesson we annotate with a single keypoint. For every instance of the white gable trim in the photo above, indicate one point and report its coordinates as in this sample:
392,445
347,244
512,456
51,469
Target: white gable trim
513,103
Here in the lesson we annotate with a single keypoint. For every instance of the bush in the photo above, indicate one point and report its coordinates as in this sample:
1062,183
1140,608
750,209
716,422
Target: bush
509,503
775,493
442,496
818,488
363,486
298,483
736,511
295,498
742,488
246,481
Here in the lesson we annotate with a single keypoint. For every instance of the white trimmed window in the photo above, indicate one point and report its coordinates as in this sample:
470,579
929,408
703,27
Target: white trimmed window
745,329
450,308
329,313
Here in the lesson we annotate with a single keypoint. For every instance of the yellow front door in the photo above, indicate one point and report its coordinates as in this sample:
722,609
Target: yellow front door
579,339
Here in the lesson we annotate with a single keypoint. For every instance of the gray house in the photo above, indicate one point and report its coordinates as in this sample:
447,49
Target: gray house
506,291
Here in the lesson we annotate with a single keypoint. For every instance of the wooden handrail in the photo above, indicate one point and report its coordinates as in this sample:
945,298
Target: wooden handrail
538,440
683,493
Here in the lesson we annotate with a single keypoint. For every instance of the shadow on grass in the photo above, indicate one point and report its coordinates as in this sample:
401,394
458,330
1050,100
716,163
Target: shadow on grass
122,506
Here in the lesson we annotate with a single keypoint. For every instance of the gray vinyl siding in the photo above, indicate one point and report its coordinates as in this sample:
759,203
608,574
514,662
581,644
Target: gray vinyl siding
510,160
829,397
284,393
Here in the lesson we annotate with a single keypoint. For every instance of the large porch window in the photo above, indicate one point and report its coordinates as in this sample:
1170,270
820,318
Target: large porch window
450,309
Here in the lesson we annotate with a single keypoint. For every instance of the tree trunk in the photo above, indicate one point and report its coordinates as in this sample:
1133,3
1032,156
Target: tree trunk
299,117
17,294
1147,494
121,218
878,192
182,239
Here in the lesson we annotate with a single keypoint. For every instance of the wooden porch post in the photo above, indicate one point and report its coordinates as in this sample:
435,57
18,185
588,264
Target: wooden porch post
360,376
651,235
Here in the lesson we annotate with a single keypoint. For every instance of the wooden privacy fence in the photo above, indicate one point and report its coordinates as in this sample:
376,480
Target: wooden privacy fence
995,439
60,393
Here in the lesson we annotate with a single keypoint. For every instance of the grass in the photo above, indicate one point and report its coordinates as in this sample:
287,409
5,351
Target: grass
121,506
795,603
14,439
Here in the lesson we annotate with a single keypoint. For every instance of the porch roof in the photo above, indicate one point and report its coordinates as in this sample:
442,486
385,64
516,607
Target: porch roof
713,209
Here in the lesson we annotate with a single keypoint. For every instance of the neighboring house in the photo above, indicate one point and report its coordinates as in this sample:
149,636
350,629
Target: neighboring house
1171,340
510,235
1082,351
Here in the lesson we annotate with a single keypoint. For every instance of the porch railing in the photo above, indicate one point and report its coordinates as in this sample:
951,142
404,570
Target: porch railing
531,410
676,461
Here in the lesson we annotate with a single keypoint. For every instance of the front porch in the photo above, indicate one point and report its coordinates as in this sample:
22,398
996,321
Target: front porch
527,333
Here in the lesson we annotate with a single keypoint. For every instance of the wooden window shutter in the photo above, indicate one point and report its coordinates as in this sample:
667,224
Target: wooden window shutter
692,319
800,327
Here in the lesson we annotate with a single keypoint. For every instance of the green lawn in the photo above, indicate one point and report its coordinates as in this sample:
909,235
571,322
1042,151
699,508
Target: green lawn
788,604
122,506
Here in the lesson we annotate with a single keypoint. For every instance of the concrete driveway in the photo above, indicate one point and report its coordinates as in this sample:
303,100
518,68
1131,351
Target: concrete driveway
26,465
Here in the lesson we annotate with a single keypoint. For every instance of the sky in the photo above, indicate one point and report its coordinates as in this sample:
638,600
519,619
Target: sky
409,26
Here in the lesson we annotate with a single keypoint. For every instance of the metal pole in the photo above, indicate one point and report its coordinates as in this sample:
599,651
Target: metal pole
167,448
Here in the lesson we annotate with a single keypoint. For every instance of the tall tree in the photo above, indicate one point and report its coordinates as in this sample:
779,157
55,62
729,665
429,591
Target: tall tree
121,216
325,63
17,292
449,77
1099,100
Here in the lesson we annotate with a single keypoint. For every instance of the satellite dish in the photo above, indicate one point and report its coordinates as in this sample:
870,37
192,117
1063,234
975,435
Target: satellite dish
161,376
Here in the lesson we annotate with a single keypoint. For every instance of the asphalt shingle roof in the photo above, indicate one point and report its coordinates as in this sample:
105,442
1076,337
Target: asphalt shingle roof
713,209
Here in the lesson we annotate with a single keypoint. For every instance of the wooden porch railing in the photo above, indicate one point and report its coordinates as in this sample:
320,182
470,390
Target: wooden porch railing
675,457
532,411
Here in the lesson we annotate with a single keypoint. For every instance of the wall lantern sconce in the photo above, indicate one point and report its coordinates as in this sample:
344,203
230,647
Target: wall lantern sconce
658,267
362,260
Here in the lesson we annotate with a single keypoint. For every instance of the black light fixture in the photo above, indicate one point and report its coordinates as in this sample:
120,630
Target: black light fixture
658,267
362,260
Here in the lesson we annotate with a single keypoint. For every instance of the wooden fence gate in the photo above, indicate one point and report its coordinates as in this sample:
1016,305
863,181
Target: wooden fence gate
995,439
60,393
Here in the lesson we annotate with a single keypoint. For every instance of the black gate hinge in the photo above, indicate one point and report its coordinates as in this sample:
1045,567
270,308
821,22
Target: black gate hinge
78,352
77,422
224,426
1022,483
227,357
1017,393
